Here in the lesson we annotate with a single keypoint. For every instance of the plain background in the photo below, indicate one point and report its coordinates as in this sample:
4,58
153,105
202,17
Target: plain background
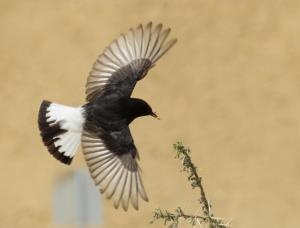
229,89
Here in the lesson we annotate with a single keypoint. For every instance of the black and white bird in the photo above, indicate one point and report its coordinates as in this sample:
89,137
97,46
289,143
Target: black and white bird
101,125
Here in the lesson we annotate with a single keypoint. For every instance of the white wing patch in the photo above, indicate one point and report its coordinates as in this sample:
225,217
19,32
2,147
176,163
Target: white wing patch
136,46
117,176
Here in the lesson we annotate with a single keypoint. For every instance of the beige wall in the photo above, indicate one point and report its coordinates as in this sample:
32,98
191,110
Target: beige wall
229,89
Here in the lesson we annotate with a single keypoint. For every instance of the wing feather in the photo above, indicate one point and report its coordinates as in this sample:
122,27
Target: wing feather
127,187
122,48
164,49
138,41
147,38
107,181
114,183
134,191
115,174
120,189
154,39
141,188
137,50
131,43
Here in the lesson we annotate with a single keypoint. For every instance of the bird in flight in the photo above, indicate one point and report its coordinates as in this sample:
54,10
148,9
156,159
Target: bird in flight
101,125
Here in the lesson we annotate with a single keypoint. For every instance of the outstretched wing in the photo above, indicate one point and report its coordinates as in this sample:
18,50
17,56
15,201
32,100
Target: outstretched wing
112,161
127,60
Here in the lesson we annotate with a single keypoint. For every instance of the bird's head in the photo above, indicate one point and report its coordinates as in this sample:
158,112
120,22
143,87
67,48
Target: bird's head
141,108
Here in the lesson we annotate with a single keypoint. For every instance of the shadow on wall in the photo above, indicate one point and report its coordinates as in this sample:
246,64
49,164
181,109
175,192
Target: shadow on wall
76,201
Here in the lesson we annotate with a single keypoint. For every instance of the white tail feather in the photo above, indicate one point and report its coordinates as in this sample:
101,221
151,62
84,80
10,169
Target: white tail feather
61,128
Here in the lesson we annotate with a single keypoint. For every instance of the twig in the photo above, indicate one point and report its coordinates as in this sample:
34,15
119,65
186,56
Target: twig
183,153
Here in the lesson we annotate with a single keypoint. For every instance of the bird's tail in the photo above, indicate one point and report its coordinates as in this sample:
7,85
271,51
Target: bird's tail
61,127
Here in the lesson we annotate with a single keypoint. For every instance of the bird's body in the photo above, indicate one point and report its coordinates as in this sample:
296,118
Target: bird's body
111,116
113,113
102,124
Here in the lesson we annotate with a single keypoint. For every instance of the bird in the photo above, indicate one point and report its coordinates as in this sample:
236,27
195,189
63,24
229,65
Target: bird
101,125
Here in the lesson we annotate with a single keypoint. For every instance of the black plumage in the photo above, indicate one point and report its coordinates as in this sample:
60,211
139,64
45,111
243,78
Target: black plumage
109,117
102,123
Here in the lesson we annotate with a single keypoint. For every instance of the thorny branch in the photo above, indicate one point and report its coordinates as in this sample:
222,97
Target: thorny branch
207,218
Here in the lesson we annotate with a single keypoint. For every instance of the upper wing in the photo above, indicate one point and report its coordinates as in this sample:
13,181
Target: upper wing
127,60
113,166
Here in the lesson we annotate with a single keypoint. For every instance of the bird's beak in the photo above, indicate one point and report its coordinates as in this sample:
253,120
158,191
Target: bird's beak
154,115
